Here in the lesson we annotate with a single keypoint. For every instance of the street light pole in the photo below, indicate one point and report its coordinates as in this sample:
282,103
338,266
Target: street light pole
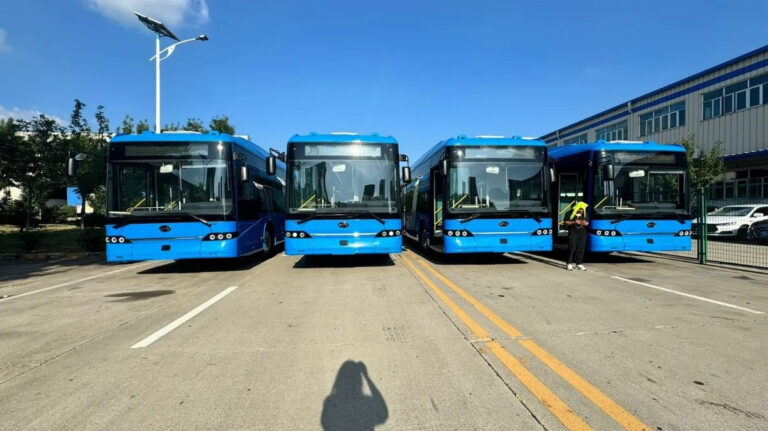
160,29
157,82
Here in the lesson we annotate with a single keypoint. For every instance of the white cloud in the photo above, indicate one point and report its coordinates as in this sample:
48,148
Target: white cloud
4,47
173,13
25,114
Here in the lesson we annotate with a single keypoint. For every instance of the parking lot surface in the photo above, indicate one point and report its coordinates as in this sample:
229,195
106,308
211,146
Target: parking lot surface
403,342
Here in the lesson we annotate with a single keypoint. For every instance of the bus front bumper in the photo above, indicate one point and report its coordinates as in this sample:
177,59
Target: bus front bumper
167,249
639,242
497,243
343,245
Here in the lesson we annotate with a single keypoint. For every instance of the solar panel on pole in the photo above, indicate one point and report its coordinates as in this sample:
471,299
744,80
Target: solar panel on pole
156,26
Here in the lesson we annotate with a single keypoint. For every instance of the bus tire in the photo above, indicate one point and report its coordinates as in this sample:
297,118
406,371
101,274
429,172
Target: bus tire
268,242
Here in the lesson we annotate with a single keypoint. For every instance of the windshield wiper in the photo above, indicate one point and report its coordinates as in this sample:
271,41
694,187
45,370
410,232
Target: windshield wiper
621,218
379,219
472,217
198,218
529,212
307,218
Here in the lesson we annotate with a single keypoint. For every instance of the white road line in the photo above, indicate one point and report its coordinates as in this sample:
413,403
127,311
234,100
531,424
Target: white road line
180,321
73,282
700,298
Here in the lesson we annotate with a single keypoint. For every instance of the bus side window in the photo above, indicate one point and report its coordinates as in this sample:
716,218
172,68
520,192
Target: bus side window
248,200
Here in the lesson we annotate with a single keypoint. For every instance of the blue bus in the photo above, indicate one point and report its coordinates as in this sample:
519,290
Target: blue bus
637,192
343,194
191,195
481,194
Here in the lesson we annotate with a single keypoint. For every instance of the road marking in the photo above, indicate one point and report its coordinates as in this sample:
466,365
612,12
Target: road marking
688,295
180,321
610,407
568,417
73,282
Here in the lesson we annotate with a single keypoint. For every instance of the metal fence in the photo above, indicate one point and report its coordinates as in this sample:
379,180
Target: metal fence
732,231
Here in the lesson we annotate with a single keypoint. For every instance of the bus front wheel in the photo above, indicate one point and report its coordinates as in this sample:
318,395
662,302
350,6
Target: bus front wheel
268,242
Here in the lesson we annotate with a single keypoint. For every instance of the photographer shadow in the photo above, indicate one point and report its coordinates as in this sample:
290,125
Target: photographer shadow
347,408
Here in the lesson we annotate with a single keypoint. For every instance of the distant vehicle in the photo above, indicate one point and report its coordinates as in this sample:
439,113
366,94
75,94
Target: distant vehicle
637,194
343,195
481,194
189,196
734,220
759,231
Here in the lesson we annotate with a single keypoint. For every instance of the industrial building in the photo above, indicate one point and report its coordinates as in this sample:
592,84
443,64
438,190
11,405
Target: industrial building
727,103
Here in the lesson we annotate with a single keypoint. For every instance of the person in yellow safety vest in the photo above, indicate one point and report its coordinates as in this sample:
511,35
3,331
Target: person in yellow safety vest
577,224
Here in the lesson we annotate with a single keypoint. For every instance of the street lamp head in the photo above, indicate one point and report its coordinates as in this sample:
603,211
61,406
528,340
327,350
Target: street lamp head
155,26
202,37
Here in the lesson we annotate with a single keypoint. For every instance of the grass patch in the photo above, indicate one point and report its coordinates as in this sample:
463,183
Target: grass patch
50,239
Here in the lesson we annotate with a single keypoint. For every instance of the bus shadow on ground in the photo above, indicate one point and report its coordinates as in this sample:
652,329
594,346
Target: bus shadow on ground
211,265
464,259
560,252
348,261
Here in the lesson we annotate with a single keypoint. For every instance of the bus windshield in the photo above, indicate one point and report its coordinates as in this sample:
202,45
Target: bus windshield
497,180
643,182
157,188
343,178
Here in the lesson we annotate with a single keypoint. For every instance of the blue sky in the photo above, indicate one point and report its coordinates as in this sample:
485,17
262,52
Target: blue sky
417,70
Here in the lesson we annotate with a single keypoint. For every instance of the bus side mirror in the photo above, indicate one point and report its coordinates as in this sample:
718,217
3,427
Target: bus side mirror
71,167
243,174
444,167
406,174
271,165
607,172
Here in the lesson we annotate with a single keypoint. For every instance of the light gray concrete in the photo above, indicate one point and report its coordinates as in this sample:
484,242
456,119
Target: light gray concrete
269,354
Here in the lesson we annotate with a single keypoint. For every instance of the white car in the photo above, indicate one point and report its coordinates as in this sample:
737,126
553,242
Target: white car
735,220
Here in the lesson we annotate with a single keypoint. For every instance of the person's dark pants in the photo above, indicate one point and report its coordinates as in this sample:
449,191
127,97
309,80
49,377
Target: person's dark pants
577,243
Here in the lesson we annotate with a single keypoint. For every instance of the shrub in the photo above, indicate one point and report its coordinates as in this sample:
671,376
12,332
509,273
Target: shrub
95,220
31,240
12,212
58,214
92,240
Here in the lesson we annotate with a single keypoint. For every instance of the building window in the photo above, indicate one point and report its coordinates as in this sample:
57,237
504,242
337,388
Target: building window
735,97
581,139
662,119
712,104
758,90
614,132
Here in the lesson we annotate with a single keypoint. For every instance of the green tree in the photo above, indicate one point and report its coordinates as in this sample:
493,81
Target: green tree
142,126
222,125
34,163
704,167
195,125
92,171
127,126
171,127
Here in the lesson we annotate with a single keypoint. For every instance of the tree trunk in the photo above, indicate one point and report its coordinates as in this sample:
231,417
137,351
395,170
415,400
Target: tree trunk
82,215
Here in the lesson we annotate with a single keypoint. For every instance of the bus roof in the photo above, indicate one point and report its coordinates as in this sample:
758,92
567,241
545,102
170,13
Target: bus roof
480,141
212,136
569,150
343,137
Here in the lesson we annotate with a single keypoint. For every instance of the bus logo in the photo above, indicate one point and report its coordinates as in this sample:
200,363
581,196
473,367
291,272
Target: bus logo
651,224
165,228
343,224
504,223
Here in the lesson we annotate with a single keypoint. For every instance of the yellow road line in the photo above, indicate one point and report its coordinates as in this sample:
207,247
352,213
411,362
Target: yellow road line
610,407
571,420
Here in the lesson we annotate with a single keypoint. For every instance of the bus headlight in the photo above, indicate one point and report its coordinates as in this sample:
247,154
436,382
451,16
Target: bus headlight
540,232
388,233
116,239
220,236
297,234
605,232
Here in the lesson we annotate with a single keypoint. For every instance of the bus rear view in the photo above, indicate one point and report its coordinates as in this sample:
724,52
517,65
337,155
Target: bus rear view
342,195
